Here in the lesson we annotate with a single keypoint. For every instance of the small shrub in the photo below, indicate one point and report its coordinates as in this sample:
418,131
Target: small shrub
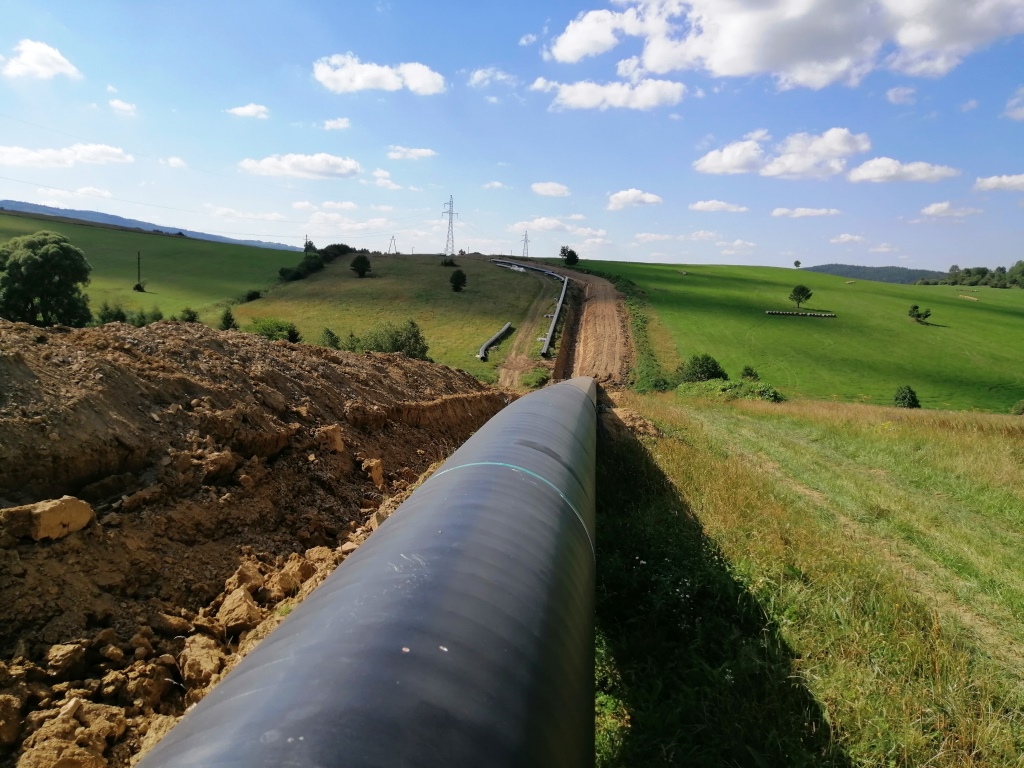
906,397
361,265
189,315
252,295
407,339
227,321
448,261
1017,409
458,280
702,368
139,287
275,329
918,314
330,339
110,314
748,370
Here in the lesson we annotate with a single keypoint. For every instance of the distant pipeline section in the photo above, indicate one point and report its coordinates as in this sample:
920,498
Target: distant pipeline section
482,354
546,349
459,634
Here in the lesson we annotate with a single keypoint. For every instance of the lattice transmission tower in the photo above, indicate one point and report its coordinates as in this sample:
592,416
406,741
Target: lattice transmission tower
449,248
526,244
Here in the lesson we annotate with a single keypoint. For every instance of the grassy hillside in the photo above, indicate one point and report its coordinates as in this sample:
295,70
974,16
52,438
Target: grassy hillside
811,584
410,287
178,272
969,357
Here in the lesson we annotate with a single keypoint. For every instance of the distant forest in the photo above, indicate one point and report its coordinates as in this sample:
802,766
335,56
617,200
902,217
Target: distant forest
880,274
1000,277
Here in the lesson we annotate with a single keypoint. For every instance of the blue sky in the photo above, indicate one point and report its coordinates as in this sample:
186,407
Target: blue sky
708,131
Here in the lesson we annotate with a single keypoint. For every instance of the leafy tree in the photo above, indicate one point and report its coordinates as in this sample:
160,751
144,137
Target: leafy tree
361,265
309,247
702,368
252,295
797,264
800,294
275,329
330,339
111,314
749,373
919,315
227,320
458,280
189,315
569,256
448,261
906,397
388,337
41,279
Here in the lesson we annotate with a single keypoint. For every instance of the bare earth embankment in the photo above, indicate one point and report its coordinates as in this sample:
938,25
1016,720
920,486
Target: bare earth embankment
220,478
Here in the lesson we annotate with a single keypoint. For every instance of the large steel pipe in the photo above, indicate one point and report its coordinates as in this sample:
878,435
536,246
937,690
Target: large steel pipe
459,634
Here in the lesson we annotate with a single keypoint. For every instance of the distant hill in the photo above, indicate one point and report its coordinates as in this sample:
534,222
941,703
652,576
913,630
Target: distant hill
900,275
119,221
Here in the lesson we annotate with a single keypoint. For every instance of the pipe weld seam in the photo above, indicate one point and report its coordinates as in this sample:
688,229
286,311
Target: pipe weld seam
514,468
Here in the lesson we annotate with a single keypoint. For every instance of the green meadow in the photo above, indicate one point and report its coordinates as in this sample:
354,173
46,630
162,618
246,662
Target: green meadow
968,356
208,277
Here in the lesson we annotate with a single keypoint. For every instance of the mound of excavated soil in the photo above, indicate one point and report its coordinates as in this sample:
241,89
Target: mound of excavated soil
223,476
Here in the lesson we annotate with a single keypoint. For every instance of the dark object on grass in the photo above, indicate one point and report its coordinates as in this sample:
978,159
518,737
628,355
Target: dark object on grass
906,397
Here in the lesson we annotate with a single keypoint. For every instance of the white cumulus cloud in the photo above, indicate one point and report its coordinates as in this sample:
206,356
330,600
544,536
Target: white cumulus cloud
318,166
66,157
384,179
901,95
702,234
340,205
643,95
882,169
122,107
494,185
408,153
550,189
651,237
250,110
552,224
713,206
480,78
233,213
173,162
800,213
845,239
798,156
883,248
628,198
337,124
1011,183
946,208
80,192
528,39
736,244
344,73
38,60
1015,106
801,43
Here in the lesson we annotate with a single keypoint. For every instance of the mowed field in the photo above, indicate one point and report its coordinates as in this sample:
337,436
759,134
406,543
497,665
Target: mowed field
416,288
208,277
811,584
968,358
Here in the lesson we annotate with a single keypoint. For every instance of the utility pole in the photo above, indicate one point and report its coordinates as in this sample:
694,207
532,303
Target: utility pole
138,264
393,243
526,244
449,248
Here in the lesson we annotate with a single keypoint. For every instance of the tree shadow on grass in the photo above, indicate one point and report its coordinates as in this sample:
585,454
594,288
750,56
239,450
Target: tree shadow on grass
690,669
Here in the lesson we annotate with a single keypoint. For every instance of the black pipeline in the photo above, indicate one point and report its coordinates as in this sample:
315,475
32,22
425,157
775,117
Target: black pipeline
459,634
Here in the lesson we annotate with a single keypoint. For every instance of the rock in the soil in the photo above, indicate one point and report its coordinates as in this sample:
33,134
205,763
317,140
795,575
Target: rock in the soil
239,612
200,661
375,469
62,660
75,736
60,754
10,719
53,519
173,626
330,439
247,576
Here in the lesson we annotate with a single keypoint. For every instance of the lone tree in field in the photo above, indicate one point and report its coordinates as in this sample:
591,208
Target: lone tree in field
227,321
41,279
361,265
918,314
458,280
905,397
569,256
797,263
800,294
702,368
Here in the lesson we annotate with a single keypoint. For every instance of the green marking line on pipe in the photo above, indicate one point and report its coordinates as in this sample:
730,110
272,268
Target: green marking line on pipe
544,480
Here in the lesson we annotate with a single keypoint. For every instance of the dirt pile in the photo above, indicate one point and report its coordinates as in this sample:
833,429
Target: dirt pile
216,479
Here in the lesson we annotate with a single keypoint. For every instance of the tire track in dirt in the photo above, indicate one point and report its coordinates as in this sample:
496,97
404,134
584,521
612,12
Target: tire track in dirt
518,360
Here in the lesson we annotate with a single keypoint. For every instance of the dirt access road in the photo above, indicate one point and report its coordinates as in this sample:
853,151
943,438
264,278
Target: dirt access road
603,345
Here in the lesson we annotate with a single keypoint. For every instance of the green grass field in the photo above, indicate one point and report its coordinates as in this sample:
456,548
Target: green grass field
811,584
207,276
178,272
968,358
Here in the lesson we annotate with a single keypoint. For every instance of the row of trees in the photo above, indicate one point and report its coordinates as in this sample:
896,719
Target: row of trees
1000,277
